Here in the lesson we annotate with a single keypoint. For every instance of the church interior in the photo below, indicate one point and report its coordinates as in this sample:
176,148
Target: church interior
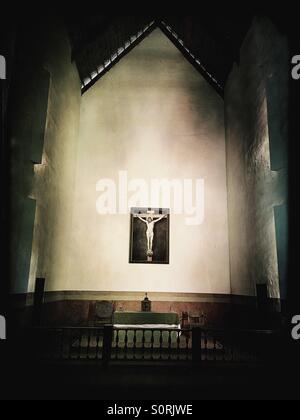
148,208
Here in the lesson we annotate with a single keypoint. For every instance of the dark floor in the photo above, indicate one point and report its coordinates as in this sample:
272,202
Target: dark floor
125,382
20,378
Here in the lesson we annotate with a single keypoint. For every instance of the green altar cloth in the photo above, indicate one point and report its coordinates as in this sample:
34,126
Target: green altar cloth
145,318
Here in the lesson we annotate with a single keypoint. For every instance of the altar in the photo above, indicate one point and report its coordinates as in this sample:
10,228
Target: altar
149,328
146,320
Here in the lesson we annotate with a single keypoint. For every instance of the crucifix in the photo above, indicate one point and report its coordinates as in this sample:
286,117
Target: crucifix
150,220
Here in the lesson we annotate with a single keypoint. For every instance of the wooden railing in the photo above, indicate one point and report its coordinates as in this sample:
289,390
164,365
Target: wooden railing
68,344
109,344
152,344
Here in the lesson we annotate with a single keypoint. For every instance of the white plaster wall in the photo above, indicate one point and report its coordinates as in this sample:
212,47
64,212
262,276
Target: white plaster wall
54,179
253,188
43,157
154,116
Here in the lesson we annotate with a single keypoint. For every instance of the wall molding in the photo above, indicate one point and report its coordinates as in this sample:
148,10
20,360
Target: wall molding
58,296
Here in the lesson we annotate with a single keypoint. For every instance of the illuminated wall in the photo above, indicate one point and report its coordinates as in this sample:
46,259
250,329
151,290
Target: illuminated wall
153,116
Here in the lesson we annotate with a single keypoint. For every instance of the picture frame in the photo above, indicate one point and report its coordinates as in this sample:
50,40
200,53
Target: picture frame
149,236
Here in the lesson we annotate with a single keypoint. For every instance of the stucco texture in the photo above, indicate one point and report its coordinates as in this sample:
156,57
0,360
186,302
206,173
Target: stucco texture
154,116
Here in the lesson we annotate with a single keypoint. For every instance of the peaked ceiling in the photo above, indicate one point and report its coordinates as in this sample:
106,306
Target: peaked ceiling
210,42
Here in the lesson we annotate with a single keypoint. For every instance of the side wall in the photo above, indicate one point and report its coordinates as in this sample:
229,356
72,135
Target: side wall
256,137
44,119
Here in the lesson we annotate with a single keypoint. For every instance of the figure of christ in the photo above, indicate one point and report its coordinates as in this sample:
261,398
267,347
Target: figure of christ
150,222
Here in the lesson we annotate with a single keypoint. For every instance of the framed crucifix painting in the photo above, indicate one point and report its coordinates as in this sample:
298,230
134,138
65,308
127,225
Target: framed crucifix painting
149,236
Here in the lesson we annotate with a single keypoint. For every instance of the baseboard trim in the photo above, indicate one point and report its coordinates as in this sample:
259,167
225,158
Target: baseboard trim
58,296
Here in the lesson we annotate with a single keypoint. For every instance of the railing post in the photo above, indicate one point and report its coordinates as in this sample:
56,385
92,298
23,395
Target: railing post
107,343
196,345
38,302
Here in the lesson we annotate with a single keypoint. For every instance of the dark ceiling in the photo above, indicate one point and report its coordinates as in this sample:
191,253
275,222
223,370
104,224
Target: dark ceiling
212,40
